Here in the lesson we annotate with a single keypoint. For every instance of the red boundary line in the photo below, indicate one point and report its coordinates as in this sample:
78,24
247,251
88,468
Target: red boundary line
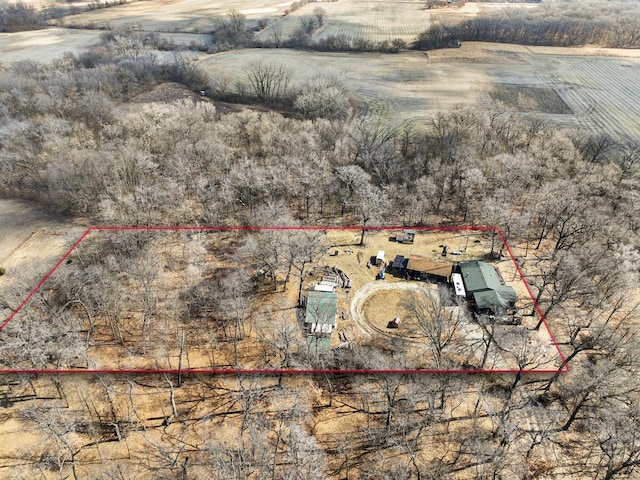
563,369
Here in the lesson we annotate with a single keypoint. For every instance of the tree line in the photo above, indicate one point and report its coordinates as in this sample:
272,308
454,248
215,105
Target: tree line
565,24
20,16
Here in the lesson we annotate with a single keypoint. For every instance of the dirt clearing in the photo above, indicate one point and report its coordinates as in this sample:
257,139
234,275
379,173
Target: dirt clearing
31,242
140,323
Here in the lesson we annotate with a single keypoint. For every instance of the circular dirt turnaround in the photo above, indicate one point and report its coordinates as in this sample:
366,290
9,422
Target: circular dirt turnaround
375,323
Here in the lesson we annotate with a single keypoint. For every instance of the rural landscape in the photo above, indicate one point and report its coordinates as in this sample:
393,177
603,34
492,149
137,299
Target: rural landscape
345,239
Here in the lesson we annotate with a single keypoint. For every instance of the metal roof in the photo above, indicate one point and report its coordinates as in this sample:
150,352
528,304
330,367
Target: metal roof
318,345
483,283
478,276
321,307
489,299
399,262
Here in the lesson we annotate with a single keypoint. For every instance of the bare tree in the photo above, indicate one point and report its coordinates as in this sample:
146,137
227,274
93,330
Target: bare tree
320,14
438,319
269,82
303,248
276,34
366,199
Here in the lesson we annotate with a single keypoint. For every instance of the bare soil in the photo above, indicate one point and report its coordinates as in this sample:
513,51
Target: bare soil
525,99
31,242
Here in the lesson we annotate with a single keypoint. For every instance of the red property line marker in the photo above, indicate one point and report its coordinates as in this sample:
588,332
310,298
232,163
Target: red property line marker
230,371
46,277
564,368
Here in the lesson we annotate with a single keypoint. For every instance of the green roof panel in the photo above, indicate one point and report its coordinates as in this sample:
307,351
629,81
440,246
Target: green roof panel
321,308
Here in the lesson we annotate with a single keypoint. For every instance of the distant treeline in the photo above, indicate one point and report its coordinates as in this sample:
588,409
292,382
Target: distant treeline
16,17
562,25
20,17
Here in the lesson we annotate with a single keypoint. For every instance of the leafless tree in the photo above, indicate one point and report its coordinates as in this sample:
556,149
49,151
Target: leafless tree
438,319
268,82
303,248
320,14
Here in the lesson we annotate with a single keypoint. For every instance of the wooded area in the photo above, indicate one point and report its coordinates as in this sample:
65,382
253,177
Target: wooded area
91,136
564,24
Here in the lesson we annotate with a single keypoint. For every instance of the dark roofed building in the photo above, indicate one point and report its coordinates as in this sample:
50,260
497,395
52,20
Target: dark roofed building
484,287
406,237
399,264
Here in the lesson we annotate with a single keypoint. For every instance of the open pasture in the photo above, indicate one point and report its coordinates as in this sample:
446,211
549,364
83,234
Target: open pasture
359,19
192,16
403,86
44,45
599,92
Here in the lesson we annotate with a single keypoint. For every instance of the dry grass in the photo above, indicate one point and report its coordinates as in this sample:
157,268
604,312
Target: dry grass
193,16
44,45
601,92
359,19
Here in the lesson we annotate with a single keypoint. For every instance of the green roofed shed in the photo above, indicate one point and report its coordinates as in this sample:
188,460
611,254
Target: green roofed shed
318,345
478,276
489,299
484,285
321,308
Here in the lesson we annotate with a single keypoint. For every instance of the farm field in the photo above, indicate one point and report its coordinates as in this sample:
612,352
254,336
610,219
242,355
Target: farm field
402,87
601,93
44,45
164,310
359,19
191,16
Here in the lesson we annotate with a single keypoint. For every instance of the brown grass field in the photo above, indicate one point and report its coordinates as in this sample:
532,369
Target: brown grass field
192,16
31,242
595,88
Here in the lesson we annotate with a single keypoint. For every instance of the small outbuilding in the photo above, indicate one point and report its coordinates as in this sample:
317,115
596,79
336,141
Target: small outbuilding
406,236
399,265
321,309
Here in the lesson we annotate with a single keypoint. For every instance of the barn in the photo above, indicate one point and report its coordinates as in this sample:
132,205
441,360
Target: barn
320,315
484,288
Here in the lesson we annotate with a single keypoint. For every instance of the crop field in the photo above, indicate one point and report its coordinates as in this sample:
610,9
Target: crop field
44,45
571,87
603,93
179,16
402,87
360,19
